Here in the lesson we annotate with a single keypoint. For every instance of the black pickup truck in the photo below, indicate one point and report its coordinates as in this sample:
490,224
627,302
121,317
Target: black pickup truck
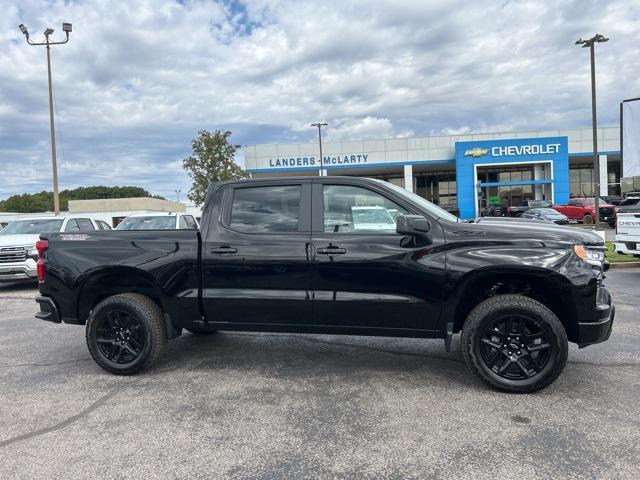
335,255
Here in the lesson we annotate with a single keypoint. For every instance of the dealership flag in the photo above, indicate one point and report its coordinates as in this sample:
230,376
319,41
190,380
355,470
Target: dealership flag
631,138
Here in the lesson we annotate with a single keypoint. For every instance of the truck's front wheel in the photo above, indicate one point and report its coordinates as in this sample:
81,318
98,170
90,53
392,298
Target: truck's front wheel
514,343
126,333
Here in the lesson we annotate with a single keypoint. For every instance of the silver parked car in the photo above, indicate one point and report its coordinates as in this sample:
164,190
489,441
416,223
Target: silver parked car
546,214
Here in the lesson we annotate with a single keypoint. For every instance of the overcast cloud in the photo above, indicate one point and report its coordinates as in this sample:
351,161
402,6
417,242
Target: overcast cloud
139,79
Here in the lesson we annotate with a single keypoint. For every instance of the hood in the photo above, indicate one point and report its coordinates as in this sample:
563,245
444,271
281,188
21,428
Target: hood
517,229
18,240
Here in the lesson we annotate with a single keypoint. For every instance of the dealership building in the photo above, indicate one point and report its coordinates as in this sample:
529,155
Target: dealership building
467,172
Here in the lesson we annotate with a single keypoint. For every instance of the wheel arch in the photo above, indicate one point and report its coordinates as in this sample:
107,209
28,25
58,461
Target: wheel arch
547,286
113,281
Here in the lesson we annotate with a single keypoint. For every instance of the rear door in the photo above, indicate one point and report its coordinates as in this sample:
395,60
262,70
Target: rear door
364,274
255,254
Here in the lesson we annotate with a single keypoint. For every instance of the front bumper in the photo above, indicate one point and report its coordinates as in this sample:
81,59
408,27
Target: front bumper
599,330
48,310
627,248
11,272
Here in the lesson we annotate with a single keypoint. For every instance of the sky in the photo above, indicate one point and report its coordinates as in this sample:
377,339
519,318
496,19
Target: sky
137,80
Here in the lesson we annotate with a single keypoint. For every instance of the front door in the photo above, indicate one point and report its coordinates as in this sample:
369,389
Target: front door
364,274
255,258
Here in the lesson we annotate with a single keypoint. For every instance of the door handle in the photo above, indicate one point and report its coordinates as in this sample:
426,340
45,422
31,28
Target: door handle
223,250
331,251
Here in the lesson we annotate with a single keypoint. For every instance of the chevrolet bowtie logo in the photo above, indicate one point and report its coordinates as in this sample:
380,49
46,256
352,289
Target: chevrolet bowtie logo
475,152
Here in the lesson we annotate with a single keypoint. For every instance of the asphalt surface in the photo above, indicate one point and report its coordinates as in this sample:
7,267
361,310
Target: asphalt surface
302,406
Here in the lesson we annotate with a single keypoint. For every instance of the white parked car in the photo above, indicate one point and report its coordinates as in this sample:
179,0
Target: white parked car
628,234
18,239
372,218
159,221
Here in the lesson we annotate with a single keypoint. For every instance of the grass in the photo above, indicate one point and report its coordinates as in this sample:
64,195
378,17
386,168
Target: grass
613,257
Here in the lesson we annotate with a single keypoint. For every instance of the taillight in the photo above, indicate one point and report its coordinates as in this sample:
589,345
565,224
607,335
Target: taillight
41,246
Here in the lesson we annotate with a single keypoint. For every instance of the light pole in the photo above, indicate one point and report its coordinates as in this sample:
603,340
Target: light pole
597,38
320,125
178,194
66,28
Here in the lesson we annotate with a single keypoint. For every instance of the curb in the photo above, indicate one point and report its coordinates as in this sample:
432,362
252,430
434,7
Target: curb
622,265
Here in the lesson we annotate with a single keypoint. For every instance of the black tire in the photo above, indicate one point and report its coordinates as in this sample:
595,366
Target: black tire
198,330
587,219
122,325
548,351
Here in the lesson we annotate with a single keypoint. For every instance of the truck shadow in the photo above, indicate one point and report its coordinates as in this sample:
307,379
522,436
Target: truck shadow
304,355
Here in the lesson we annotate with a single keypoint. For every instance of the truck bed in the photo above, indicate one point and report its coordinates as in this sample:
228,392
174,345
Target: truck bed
164,262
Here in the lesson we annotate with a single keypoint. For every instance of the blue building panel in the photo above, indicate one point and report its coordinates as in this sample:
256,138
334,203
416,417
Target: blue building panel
554,150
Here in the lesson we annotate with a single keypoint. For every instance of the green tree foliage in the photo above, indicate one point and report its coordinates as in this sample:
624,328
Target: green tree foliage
212,160
43,201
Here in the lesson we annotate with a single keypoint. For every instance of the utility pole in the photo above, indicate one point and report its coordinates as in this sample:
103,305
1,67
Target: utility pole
590,43
320,125
66,28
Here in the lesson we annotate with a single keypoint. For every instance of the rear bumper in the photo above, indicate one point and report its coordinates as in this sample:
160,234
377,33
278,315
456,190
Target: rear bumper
599,330
11,272
48,310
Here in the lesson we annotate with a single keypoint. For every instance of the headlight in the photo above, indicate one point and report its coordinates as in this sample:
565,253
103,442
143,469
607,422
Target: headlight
587,254
33,252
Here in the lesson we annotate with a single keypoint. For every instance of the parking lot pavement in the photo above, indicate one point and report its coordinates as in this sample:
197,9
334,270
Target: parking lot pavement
242,405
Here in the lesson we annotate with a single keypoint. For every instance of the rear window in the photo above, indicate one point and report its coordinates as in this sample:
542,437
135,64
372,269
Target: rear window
266,209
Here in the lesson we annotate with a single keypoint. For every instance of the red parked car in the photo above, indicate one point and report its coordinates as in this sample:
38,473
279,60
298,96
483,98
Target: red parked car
584,210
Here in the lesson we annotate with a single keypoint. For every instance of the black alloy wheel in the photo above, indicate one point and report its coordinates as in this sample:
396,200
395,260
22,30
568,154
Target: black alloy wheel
126,333
514,343
120,337
515,347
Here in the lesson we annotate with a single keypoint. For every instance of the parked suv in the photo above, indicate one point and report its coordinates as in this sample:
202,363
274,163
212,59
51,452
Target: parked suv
18,239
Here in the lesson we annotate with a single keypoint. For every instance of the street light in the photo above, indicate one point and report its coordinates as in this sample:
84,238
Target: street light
178,194
66,28
597,38
320,125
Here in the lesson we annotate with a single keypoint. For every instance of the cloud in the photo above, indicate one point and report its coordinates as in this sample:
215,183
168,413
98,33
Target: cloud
139,79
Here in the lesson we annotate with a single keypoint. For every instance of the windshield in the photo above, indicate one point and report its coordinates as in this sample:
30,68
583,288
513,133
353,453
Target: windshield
592,201
548,211
424,203
33,227
148,223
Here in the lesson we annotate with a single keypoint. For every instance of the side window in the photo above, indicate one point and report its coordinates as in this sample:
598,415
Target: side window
573,203
85,224
103,225
356,209
72,226
182,223
266,209
191,223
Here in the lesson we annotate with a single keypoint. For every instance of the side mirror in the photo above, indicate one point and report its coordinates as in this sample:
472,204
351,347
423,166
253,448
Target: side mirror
412,225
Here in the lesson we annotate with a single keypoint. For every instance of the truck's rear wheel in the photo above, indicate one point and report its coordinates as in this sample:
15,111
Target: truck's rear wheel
514,343
126,333
587,219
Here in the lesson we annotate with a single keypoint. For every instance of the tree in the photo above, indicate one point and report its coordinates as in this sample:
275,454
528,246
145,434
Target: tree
212,160
43,201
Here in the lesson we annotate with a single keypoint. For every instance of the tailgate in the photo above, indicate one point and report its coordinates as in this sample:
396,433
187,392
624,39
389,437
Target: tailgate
629,225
